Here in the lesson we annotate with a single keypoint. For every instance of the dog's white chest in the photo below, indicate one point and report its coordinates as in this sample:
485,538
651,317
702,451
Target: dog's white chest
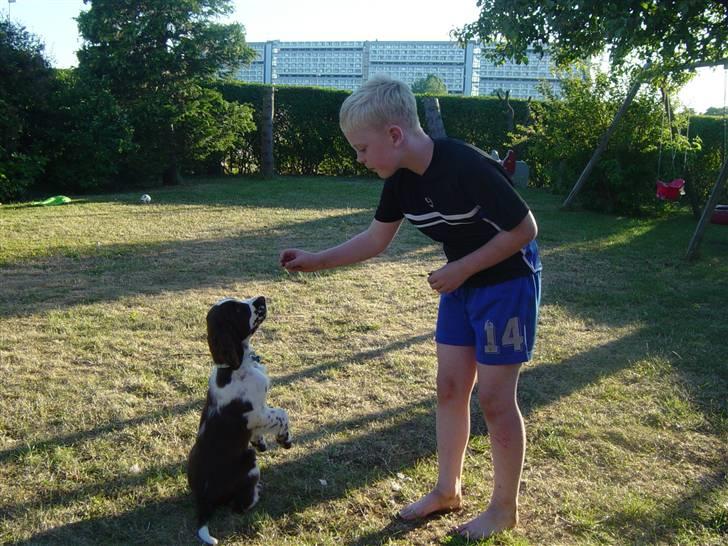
248,383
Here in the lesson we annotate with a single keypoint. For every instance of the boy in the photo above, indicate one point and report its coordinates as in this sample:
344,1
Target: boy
489,288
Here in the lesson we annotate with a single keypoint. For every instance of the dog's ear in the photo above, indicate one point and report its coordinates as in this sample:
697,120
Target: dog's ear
224,336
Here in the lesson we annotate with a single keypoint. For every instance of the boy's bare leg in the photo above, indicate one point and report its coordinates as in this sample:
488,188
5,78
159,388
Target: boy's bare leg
497,395
455,379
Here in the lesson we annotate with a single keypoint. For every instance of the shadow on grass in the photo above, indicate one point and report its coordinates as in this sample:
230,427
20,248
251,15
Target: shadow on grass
293,486
324,368
113,272
116,271
684,515
288,487
108,428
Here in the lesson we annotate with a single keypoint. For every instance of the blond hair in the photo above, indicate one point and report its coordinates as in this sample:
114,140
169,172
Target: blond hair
379,102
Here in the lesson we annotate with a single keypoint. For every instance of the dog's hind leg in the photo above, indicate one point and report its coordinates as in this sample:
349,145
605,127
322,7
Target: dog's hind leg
248,495
204,535
204,513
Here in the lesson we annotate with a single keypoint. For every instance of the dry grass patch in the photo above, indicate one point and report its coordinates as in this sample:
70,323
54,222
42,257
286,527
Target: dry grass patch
104,365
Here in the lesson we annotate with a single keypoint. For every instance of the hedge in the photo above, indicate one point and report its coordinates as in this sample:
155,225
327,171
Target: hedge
307,139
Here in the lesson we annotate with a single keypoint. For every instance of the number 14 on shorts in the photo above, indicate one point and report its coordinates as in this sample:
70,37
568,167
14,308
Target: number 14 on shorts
511,337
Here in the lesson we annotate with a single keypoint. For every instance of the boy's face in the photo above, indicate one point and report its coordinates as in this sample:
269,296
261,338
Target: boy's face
378,149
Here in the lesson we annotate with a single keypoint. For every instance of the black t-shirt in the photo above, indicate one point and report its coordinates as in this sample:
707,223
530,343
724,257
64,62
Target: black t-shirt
462,200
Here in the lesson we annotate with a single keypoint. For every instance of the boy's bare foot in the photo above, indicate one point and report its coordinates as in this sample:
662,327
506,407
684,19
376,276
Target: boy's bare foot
432,503
490,522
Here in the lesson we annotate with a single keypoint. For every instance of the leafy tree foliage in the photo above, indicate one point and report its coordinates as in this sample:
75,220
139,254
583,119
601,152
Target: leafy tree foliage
88,136
565,130
716,111
155,57
27,81
431,85
669,33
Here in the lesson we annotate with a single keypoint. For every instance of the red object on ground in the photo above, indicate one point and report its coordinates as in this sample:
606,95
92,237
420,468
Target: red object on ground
509,162
670,191
720,215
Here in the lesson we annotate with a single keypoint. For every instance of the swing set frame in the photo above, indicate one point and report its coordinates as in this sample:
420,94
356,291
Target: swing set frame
646,74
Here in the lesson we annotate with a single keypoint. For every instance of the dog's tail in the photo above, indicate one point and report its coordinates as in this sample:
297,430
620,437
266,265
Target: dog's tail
204,534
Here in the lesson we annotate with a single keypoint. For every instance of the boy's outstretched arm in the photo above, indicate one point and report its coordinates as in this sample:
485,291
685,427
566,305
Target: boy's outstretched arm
361,247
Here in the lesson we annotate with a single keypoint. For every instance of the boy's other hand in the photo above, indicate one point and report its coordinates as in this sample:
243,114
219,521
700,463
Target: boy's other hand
293,259
448,278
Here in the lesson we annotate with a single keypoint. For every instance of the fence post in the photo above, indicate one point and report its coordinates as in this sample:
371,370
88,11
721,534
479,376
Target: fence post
266,133
433,118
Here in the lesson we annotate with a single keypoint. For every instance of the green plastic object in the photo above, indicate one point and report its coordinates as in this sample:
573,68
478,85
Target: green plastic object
55,200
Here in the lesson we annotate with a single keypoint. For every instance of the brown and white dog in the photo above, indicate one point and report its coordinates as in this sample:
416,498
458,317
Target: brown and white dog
222,465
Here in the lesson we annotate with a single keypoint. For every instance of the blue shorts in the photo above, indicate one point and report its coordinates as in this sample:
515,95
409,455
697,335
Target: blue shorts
498,320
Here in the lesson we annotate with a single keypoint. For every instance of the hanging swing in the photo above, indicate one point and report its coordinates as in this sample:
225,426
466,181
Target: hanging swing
673,190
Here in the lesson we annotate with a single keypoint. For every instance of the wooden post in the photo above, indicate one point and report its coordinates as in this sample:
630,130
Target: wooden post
433,118
266,133
603,143
707,213
508,109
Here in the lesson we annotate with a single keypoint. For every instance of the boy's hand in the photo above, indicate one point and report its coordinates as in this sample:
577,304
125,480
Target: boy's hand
293,259
448,278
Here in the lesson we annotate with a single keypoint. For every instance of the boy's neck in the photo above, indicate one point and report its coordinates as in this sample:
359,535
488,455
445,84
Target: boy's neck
420,148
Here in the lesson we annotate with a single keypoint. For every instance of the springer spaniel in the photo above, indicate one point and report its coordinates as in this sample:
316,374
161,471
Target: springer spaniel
222,468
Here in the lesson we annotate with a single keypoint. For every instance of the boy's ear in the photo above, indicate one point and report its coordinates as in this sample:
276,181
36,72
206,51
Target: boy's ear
396,134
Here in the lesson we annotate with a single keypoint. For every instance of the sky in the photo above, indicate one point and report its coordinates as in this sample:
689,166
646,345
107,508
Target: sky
305,20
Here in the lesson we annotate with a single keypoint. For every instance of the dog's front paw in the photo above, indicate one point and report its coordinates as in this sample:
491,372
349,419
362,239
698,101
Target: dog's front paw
259,444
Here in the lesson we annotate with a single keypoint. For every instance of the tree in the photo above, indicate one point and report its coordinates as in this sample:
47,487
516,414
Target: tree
715,111
88,136
155,58
667,37
431,85
670,34
27,81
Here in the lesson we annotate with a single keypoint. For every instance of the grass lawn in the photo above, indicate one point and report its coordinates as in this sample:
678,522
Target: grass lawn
104,365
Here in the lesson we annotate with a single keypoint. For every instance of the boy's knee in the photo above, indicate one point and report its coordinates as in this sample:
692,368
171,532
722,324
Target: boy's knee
494,405
450,390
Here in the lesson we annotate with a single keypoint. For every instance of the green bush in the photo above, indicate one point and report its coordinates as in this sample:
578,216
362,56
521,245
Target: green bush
26,87
246,157
308,141
703,167
18,172
483,121
306,135
88,136
566,130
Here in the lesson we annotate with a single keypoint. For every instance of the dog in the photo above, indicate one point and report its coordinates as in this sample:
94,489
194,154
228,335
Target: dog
222,468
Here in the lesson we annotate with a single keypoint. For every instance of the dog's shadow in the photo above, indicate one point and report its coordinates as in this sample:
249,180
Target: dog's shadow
290,486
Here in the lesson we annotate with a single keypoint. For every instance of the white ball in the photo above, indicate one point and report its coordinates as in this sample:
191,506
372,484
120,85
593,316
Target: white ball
145,198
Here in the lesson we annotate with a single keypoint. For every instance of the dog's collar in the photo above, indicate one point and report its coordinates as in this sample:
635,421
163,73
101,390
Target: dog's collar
220,366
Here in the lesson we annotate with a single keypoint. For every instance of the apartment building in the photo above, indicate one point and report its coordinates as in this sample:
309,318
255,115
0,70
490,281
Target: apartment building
346,65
